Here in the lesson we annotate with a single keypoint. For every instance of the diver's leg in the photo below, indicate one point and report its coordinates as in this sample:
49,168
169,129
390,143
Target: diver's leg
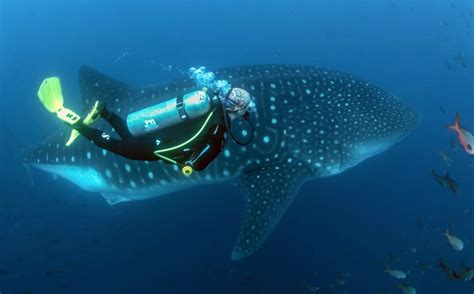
131,149
100,139
118,123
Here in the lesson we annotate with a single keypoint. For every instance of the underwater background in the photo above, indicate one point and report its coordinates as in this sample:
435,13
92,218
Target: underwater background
57,238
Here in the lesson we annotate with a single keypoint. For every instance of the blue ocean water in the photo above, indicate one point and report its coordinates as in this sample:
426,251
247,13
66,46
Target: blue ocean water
57,238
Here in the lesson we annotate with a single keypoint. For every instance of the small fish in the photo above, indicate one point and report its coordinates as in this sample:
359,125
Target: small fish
464,136
407,289
454,241
341,278
454,146
460,59
446,181
446,269
441,108
340,281
423,266
312,288
466,275
446,157
398,274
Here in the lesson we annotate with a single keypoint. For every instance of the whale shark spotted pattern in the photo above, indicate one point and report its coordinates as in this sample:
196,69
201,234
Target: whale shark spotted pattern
309,123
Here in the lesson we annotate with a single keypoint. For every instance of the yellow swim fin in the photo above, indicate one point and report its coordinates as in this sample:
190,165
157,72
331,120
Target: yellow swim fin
88,120
51,96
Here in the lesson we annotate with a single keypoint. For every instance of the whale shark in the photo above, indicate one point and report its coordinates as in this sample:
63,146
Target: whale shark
309,123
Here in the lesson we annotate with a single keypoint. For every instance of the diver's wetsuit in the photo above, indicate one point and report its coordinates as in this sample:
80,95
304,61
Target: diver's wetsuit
143,147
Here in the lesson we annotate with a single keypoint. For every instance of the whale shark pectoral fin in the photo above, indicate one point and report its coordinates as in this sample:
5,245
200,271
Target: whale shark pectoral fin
269,190
114,198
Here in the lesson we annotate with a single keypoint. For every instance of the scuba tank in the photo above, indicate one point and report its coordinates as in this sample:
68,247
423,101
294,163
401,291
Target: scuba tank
192,129
169,113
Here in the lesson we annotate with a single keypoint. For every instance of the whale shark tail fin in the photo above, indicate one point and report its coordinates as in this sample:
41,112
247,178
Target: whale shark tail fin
10,141
16,148
269,191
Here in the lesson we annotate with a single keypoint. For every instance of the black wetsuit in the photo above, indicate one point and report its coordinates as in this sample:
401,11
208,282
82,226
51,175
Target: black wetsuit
143,147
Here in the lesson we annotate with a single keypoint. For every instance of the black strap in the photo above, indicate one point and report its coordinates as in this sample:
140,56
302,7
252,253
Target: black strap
245,117
228,93
228,126
180,107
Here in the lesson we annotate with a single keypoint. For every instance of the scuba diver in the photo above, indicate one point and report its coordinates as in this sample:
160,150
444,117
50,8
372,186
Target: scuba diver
161,131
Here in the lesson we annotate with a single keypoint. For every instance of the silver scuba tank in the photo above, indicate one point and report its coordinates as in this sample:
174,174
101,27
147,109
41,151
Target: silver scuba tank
168,113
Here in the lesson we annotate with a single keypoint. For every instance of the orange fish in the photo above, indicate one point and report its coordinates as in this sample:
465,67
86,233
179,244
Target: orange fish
464,136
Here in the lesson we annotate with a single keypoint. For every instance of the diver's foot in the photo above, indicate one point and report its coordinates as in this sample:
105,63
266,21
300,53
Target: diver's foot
77,125
94,113
98,108
67,116
104,112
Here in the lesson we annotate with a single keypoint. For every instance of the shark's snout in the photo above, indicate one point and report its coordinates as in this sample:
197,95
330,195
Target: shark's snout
409,119
397,120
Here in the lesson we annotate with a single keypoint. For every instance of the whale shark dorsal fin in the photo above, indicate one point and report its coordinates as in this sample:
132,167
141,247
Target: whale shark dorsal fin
268,190
95,85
